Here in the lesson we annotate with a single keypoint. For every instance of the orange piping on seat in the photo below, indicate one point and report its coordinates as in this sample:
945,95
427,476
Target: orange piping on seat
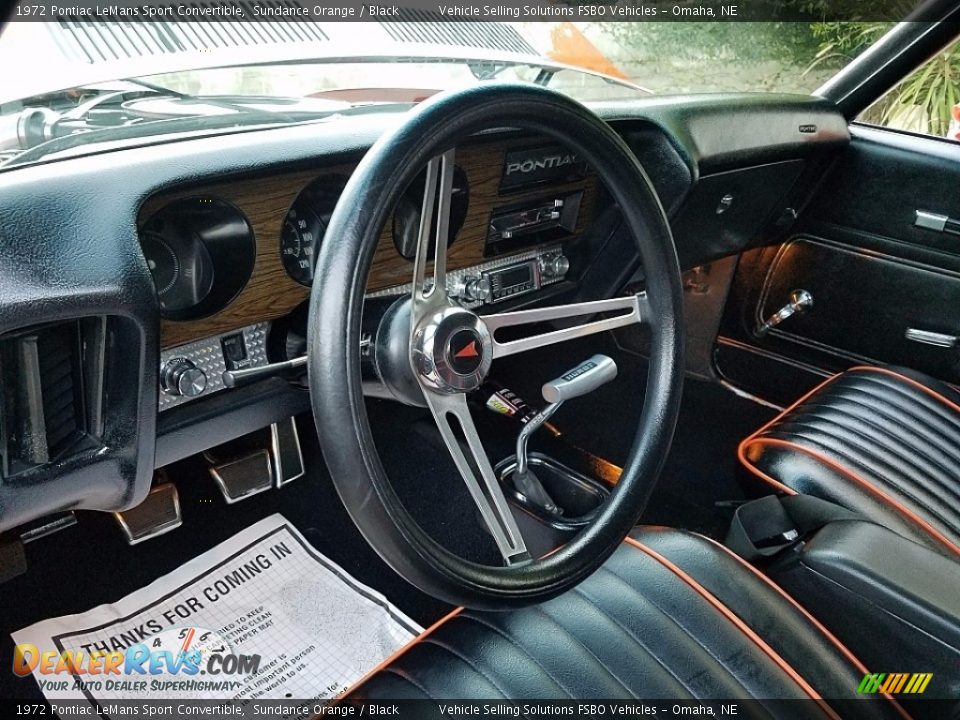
913,383
398,653
844,650
883,497
790,408
742,457
742,447
738,623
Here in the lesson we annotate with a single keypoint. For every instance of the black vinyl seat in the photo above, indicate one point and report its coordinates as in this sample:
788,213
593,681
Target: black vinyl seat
670,615
884,442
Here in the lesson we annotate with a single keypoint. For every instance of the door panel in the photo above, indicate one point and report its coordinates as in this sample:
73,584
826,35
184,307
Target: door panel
864,304
873,273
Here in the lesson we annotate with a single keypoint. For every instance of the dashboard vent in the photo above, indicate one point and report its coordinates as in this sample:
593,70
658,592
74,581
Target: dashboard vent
93,41
62,401
427,26
44,414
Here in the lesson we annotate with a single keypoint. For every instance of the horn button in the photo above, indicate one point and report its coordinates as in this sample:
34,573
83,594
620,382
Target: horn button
452,351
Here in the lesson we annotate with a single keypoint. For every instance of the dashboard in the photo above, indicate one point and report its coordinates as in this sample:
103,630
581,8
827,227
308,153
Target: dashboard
132,281
229,258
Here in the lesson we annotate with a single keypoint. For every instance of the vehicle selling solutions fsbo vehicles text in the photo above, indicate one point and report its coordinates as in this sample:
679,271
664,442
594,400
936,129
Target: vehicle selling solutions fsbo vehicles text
610,11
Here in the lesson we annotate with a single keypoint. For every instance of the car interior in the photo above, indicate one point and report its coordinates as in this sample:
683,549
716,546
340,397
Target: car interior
654,398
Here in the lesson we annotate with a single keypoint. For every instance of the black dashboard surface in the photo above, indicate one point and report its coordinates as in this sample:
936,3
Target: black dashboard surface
69,245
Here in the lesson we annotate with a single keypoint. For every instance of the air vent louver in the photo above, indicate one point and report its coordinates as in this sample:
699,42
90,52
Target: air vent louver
62,401
42,414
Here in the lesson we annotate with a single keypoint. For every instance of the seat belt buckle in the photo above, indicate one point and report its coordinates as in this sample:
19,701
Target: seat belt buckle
785,538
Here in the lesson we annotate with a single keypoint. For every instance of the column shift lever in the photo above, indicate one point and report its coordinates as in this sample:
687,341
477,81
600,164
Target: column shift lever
584,378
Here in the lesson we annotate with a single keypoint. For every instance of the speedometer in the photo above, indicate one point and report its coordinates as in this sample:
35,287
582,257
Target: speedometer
305,224
299,240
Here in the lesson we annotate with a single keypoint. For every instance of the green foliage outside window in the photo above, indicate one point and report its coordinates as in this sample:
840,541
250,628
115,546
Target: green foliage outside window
922,102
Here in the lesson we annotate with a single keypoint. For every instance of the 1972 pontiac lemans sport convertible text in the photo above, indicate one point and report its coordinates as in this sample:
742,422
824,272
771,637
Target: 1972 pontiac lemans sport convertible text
442,366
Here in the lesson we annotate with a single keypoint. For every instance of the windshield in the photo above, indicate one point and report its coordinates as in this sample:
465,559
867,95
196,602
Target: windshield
110,83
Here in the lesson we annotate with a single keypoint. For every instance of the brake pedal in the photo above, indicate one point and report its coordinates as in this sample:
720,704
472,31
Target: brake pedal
244,476
159,513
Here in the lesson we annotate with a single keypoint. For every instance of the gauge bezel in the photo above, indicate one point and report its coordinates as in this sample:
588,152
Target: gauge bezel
217,233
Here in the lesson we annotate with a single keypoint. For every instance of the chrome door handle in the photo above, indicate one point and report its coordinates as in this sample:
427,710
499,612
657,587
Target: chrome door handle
799,301
928,337
936,222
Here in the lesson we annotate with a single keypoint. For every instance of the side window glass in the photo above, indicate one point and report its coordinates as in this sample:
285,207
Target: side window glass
926,102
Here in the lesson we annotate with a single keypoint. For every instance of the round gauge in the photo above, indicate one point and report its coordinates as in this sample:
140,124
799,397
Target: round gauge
200,251
406,217
183,276
163,263
304,226
299,240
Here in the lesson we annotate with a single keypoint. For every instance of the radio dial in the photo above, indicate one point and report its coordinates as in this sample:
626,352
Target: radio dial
477,289
179,376
554,265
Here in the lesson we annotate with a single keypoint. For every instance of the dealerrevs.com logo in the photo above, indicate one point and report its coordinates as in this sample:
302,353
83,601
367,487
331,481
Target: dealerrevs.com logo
181,652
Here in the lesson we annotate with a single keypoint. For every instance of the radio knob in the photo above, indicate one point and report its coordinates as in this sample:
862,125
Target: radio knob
180,376
477,289
554,265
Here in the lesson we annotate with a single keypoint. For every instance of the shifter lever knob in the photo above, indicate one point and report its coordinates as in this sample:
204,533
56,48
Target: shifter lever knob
584,378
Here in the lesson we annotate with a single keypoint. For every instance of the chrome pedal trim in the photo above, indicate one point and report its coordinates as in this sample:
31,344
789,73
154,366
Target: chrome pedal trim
285,450
157,515
244,477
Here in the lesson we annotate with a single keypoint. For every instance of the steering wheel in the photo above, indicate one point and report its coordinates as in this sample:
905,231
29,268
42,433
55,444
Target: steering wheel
416,345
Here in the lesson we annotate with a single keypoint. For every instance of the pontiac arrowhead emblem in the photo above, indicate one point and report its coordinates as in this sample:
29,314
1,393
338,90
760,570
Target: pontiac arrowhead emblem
468,351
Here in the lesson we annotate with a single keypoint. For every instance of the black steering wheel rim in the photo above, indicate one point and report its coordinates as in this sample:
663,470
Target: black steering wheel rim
336,303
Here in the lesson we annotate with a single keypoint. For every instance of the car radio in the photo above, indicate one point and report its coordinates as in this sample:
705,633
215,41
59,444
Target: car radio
512,280
501,281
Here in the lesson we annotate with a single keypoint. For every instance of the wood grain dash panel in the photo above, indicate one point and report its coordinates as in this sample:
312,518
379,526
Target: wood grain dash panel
271,293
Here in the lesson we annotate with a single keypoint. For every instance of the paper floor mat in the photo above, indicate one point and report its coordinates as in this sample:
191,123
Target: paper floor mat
264,599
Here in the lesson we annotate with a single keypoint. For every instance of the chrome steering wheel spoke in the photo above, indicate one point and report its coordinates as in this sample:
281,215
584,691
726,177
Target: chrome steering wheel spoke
437,328
430,293
451,411
629,310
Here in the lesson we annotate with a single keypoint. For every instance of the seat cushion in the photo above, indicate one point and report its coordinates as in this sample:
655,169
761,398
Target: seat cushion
883,442
670,615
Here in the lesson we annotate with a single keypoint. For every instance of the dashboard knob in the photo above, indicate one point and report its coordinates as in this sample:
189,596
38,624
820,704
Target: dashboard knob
179,376
477,289
554,265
